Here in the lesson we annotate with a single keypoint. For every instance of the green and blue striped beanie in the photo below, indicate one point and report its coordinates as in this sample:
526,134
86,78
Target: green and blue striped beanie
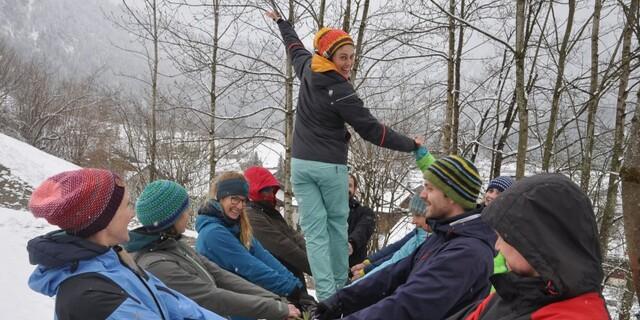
457,178
161,204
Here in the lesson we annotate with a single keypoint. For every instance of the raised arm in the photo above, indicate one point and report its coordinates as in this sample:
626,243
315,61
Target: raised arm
296,51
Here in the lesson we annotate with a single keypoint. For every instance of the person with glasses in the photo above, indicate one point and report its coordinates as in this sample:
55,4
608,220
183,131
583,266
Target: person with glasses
163,208
225,237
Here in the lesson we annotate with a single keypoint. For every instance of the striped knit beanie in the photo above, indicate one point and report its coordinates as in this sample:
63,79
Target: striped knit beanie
457,178
328,40
160,205
500,183
81,202
417,206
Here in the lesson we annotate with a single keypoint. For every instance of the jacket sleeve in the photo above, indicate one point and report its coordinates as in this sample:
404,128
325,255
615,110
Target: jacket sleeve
177,305
363,229
432,289
299,56
352,110
369,291
75,301
222,247
218,299
279,244
387,252
406,250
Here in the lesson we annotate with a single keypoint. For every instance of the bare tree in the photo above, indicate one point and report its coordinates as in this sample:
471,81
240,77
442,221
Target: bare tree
593,98
521,98
618,140
558,88
630,176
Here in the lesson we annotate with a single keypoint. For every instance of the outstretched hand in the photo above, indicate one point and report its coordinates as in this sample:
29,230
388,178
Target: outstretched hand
273,15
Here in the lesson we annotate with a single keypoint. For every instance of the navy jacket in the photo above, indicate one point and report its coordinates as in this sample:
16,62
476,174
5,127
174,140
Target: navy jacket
95,282
450,270
218,240
326,101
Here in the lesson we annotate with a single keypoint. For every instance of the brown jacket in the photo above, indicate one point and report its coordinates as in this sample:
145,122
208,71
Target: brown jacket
284,243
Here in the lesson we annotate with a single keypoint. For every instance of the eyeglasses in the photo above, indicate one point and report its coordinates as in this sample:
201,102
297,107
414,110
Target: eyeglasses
235,200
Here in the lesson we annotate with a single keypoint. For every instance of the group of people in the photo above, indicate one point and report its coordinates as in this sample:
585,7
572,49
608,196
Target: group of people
528,251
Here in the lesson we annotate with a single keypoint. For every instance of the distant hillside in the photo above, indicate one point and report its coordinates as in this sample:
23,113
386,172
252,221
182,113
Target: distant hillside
74,37
22,168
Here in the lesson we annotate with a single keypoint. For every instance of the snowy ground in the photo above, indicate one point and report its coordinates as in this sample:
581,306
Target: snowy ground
17,300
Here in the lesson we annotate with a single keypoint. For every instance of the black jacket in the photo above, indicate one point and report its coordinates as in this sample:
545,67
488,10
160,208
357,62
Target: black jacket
326,102
361,223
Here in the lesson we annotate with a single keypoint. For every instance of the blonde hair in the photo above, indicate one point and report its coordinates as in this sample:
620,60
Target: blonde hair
246,232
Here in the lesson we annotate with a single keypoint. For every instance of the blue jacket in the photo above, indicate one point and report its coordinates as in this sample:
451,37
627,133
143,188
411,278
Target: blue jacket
384,254
418,236
95,282
449,270
218,240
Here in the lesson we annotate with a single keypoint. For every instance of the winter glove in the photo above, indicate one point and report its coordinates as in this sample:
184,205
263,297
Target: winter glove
424,159
307,303
295,295
327,309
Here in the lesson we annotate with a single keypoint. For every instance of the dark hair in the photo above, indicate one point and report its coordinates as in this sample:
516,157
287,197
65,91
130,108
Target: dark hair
355,180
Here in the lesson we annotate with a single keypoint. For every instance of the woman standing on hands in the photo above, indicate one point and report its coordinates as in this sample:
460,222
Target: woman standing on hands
326,102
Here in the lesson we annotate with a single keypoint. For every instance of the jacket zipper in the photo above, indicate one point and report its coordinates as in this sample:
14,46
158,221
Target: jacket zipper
198,265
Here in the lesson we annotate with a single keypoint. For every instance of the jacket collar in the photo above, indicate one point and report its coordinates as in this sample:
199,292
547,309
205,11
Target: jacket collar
213,209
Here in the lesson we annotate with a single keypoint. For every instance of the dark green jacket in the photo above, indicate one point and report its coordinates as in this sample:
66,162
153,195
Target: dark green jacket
214,288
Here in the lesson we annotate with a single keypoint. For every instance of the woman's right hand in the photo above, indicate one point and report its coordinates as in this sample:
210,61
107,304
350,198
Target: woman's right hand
294,313
273,15
357,267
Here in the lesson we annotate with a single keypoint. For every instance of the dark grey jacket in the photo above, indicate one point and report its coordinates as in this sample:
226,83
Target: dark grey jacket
326,102
214,288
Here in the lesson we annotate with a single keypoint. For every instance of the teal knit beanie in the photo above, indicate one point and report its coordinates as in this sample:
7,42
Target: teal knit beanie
161,204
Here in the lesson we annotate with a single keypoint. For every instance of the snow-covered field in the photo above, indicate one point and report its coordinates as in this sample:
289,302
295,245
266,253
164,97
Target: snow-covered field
17,300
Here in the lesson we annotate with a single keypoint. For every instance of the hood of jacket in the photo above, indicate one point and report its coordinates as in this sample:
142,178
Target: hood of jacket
468,224
550,221
258,179
141,239
58,255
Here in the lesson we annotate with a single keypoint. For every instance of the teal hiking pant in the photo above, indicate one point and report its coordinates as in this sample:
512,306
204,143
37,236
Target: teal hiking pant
321,190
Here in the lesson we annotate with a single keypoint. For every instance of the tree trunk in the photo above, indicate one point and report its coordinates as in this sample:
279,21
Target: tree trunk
606,223
521,99
593,99
630,176
624,311
346,23
154,94
288,133
447,128
456,92
359,41
558,88
320,14
213,157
